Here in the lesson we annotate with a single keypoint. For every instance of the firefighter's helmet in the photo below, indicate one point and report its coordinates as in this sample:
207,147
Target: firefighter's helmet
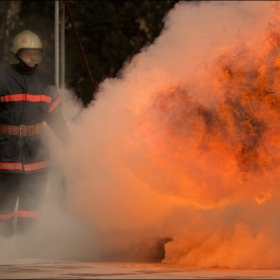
26,40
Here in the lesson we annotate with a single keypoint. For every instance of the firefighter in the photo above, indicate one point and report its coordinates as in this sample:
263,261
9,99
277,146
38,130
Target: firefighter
28,98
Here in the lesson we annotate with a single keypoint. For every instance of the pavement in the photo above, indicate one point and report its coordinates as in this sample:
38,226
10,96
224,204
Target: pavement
51,269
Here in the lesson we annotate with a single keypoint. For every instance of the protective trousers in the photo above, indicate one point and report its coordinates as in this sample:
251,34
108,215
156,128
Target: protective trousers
29,189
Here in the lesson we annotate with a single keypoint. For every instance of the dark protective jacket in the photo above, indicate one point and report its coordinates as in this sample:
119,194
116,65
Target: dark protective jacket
28,98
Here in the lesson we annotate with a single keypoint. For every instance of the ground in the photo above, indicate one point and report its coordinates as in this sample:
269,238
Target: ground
44,269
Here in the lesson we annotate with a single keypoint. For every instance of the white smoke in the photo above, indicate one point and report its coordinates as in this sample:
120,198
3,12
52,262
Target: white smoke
111,181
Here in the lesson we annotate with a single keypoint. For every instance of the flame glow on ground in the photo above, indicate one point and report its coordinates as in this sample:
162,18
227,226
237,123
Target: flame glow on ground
186,142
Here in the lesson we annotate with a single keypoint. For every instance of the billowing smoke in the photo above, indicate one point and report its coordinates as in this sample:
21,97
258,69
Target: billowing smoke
183,145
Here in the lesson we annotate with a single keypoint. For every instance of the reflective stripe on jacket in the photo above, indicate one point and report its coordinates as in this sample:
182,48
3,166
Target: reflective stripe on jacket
27,99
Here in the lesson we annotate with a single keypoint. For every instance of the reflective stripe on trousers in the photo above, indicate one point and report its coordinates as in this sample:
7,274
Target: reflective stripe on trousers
5,217
28,214
13,166
29,189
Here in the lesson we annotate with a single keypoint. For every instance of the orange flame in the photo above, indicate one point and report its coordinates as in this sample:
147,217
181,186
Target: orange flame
241,131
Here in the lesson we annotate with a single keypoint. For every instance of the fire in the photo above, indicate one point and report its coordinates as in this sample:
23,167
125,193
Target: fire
186,144
241,133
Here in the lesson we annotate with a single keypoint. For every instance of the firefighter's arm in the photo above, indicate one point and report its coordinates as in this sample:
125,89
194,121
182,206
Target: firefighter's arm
56,121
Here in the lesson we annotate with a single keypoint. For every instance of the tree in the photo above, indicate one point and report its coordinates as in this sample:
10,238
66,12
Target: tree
111,33
8,20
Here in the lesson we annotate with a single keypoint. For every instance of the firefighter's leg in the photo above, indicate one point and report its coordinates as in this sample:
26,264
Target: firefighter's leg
8,197
31,195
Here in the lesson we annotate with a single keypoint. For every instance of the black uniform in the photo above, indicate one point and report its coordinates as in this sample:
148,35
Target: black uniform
27,97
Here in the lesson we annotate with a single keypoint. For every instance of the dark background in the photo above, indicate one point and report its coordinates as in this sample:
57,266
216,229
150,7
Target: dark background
111,32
